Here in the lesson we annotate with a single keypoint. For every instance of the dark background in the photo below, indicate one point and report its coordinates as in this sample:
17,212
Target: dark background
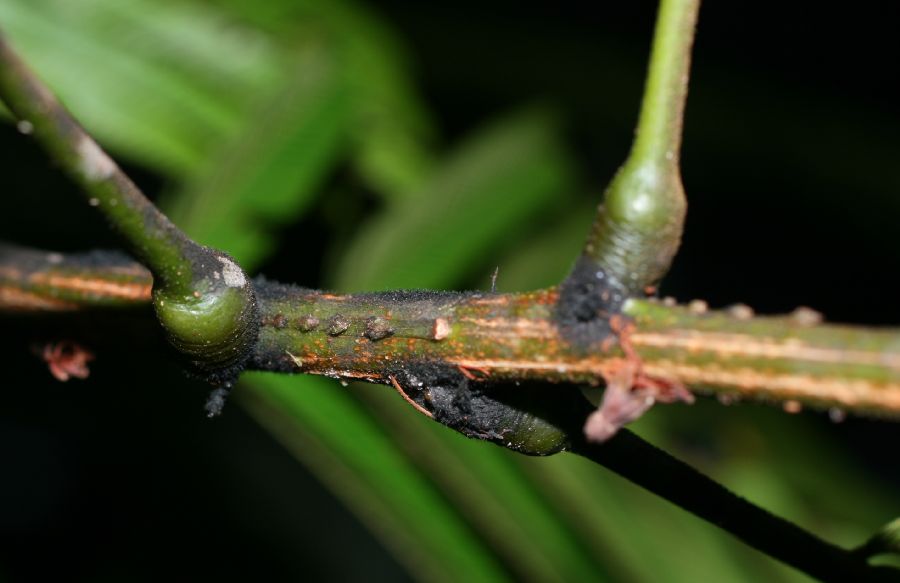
791,167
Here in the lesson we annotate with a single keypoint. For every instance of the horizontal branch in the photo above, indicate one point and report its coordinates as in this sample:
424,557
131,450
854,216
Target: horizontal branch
791,360
32,280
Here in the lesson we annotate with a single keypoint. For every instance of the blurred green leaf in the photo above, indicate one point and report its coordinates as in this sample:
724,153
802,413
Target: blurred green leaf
484,484
546,255
492,186
325,428
135,79
266,175
393,132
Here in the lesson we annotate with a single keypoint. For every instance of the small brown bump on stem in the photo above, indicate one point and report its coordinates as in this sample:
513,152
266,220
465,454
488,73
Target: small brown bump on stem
804,316
279,321
698,307
377,328
740,312
307,323
441,328
337,325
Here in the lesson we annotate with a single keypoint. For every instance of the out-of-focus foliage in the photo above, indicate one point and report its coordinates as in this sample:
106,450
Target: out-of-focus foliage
286,129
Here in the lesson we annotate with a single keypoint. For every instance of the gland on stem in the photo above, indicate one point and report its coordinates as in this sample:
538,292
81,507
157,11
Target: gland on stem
214,321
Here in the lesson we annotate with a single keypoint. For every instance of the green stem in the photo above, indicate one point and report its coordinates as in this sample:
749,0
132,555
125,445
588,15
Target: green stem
203,299
792,360
788,360
153,239
658,138
39,281
638,229
506,348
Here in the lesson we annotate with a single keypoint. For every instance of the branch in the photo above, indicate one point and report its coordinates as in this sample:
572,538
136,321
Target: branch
638,228
480,363
201,296
791,361
37,281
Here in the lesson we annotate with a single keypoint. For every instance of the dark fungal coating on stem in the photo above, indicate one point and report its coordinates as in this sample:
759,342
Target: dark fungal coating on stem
270,290
267,289
406,296
516,416
588,298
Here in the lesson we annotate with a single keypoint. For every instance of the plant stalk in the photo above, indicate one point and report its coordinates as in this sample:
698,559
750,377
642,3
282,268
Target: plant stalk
793,360
639,225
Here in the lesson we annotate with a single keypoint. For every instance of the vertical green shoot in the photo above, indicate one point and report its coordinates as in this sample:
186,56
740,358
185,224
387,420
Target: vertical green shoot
638,228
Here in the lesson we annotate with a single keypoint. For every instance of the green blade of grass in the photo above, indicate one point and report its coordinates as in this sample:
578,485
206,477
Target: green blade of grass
267,175
354,458
479,199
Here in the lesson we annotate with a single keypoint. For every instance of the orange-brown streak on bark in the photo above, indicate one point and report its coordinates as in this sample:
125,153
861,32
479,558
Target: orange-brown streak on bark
18,300
96,287
518,327
853,394
724,345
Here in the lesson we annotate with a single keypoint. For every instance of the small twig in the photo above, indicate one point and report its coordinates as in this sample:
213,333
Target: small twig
638,228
